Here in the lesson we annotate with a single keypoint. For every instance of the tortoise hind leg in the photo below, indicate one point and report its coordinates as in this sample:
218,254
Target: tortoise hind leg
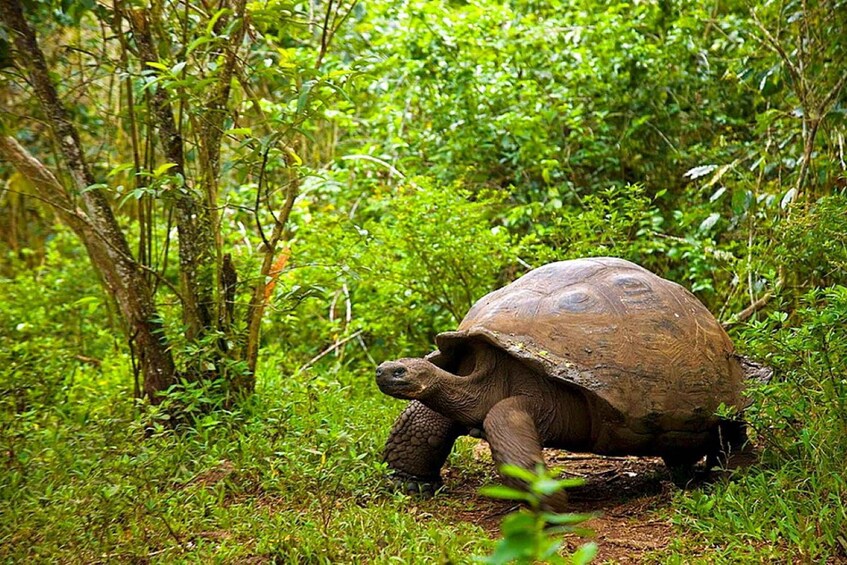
682,466
728,447
417,447
731,447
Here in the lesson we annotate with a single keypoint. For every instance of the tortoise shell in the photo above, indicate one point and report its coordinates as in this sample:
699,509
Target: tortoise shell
644,349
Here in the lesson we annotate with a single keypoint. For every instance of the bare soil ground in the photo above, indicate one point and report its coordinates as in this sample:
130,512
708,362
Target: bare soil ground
629,493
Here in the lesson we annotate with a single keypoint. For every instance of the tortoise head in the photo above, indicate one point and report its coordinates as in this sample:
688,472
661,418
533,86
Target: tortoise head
409,379
462,385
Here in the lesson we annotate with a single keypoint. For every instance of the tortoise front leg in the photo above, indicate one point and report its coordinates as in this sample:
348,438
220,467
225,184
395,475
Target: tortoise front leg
418,446
514,439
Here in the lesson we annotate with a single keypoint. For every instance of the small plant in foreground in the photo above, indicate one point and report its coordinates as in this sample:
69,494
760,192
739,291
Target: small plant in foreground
532,535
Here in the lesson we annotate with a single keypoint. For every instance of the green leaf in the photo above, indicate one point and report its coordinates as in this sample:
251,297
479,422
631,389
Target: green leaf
210,27
571,483
503,492
340,91
508,550
110,490
162,169
518,473
788,198
518,523
304,95
549,553
95,186
198,42
120,168
709,222
566,519
697,172
717,194
546,486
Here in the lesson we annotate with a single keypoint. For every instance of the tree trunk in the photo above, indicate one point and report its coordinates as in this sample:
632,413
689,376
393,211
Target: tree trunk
197,257
94,223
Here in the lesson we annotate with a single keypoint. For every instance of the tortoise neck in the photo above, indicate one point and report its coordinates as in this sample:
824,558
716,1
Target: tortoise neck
466,398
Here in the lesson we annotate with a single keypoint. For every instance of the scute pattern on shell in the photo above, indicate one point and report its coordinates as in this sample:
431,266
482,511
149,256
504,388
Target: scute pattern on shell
643,345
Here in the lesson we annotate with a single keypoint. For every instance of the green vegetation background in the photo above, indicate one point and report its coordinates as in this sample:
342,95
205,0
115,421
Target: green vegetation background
466,143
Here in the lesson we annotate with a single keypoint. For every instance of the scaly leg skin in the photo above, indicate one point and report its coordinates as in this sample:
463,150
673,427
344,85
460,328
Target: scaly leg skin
513,436
418,446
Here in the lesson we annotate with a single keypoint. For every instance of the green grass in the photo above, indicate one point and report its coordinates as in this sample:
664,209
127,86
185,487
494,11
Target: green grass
293,476
786,513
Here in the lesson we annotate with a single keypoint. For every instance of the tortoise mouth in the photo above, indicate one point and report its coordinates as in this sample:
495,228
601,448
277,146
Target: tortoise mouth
395,381
398,388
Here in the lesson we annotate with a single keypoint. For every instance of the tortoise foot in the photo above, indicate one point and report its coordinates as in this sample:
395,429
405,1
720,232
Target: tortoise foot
410,484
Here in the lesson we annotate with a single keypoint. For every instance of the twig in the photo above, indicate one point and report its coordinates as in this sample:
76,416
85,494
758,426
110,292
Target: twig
745,314
124,556
365,349
327,351
324,36
389,166
255,210
88,360
257,304
775,45
502,512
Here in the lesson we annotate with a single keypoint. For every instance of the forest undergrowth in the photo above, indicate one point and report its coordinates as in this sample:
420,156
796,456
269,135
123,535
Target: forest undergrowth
377,167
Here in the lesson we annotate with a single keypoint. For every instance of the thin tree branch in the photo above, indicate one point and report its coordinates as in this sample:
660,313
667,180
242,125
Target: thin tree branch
259,196
328,350
324,35
113,261
776,46
256,309
748,312
39,175
832,94
196,241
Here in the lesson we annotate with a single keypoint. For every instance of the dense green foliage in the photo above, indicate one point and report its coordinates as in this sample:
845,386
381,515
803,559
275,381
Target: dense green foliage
796,501
444,149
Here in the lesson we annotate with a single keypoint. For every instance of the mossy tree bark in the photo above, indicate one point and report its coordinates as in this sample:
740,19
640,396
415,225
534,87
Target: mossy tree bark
206,280
93,221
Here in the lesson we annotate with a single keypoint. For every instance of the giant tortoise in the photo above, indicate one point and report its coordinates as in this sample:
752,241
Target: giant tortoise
594,355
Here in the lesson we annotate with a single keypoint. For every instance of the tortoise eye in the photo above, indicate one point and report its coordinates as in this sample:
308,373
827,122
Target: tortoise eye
399,372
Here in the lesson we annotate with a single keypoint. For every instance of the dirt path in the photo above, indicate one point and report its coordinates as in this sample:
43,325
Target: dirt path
630,493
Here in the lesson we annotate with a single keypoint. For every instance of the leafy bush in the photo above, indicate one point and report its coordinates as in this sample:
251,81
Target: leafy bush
796,506
538,95
813,245
54,329
409,264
